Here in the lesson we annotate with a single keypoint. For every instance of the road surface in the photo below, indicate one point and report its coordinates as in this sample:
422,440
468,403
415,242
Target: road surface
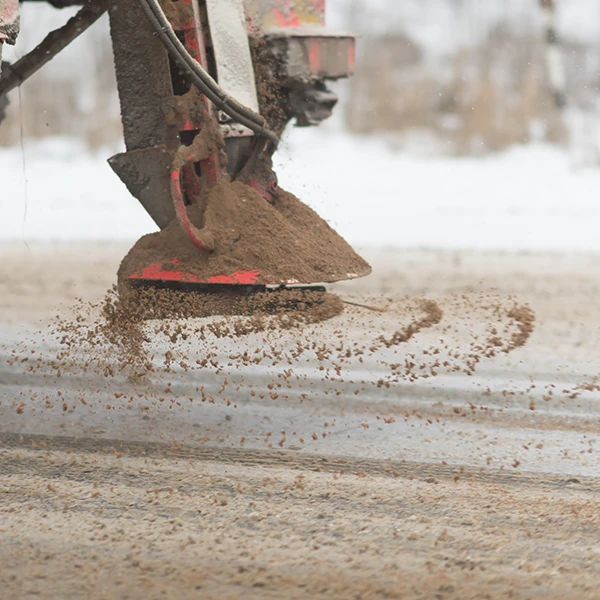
303,475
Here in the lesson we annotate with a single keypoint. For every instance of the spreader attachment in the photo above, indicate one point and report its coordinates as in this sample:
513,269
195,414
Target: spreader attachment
200,161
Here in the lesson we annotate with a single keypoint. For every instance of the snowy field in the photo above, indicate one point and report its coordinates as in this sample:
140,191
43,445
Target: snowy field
531,198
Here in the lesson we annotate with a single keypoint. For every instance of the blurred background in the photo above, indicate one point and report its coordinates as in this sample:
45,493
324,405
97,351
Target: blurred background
448,136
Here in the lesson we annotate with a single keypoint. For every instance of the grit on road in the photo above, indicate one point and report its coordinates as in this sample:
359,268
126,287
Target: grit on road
452,486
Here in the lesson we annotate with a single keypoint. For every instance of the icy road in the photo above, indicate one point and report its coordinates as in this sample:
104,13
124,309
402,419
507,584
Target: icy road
450,486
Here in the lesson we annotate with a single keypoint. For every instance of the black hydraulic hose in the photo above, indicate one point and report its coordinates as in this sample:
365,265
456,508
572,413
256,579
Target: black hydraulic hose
199,77
158,12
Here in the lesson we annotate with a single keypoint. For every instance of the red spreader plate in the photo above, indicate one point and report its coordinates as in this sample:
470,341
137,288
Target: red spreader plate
170,272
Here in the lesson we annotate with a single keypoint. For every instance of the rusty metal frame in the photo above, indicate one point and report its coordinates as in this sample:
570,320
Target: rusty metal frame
56,41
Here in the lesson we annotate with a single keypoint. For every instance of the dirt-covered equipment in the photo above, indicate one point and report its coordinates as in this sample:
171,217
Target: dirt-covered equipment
206,88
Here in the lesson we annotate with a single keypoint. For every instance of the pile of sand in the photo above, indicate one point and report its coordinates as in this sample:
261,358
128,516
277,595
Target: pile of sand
284,240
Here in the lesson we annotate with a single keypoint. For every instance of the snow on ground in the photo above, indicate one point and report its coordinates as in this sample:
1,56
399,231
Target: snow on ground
56,190
529,198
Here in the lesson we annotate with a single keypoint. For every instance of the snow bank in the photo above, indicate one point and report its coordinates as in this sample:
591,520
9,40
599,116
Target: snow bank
529,198
55,190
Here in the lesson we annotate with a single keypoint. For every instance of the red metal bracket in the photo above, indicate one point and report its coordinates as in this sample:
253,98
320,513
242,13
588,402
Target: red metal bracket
160,272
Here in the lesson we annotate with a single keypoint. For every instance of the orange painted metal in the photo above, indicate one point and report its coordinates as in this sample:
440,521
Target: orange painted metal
170,271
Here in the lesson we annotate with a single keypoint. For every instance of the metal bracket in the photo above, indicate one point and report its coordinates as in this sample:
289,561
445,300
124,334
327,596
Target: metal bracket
235,72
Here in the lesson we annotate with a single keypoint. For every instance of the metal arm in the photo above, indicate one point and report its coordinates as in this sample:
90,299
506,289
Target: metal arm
55,42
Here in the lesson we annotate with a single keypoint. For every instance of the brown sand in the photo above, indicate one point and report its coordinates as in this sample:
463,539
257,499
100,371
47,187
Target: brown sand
525,319
90,525
86,519
433,315
123,319
143,336
285,241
